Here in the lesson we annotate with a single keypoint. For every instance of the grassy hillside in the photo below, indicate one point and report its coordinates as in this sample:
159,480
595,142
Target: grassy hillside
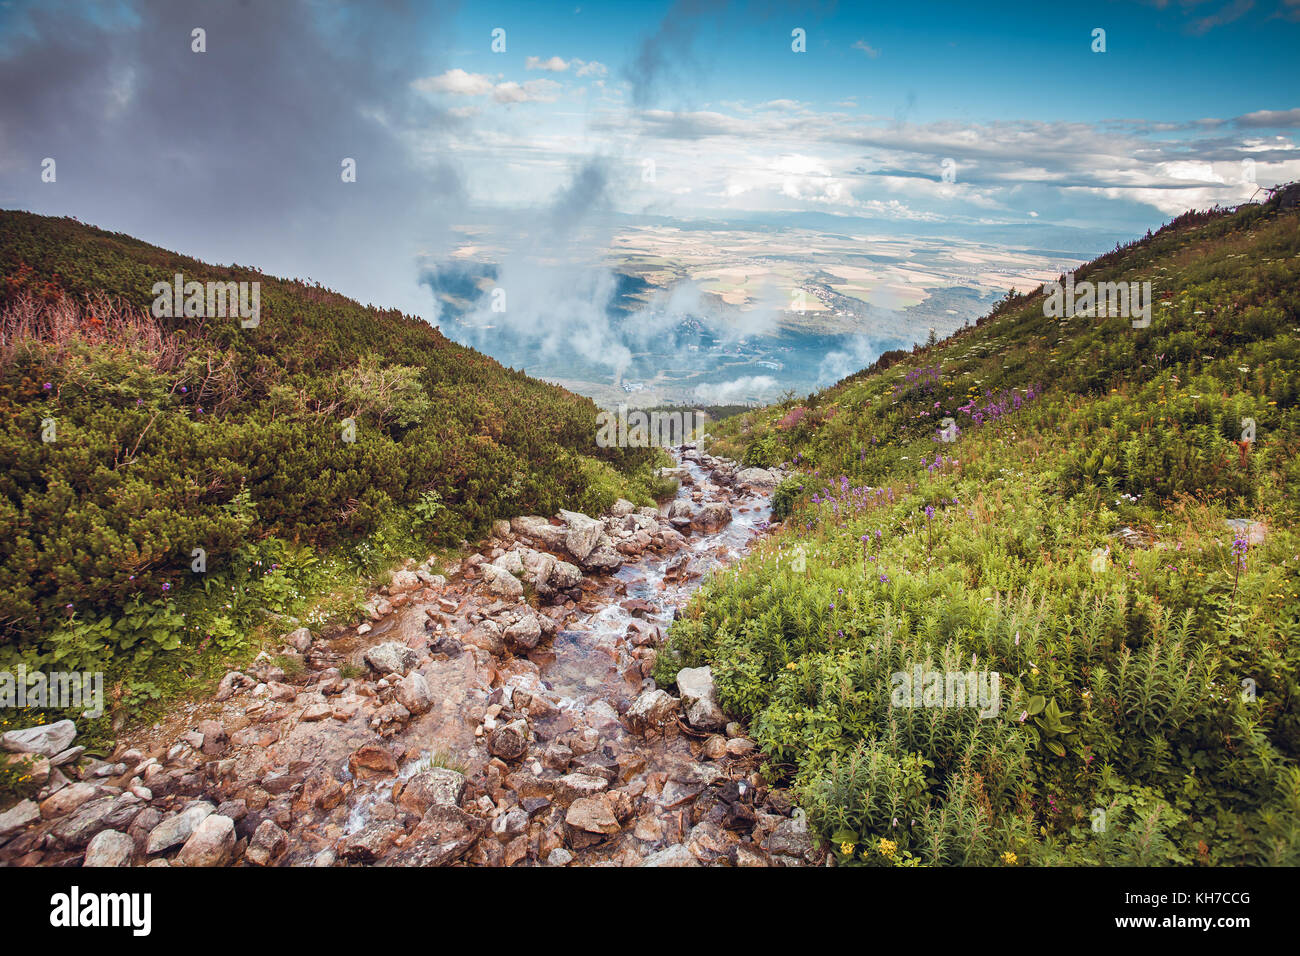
1074,539
171,435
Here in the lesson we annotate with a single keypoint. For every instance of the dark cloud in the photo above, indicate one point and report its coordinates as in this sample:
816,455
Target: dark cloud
234,153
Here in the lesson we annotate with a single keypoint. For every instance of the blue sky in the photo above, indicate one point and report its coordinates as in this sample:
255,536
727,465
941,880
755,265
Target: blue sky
933,60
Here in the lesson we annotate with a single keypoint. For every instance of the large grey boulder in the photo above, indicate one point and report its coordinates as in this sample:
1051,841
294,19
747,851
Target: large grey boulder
435,787
391,657
21,815
699,698
177,829
654,708
582,535
109,848
211,844
48,740
502,583
758,478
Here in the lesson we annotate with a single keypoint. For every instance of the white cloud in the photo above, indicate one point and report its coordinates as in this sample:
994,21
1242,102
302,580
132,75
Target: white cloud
866,48
594,68
553,65
457,82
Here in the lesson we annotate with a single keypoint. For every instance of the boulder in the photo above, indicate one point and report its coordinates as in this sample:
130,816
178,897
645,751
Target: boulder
436,787
758,478
414,694
299,640
676,855
654,708
109,848
502,583
592,814
391,658
179,828
712,517
268,843
48,740
18,817
444,835
511,741
582,534
211,844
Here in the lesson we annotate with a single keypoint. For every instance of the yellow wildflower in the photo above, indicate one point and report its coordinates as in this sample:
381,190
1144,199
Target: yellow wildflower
1009,858
887,848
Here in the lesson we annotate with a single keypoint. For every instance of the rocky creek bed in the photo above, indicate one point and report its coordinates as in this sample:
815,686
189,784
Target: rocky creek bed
496,712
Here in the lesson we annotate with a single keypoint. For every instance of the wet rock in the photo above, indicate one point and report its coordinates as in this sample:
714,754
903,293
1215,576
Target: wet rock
437,787
414,693
565,575
371,760
444,835
697,690
712,517
370,842
177,829
389,719
211,844
487,635
48,740
604,557
109,848
391,658
652,709
526,631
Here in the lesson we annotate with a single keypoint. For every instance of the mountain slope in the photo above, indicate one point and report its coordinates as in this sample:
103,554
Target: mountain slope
129,444
1072,538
